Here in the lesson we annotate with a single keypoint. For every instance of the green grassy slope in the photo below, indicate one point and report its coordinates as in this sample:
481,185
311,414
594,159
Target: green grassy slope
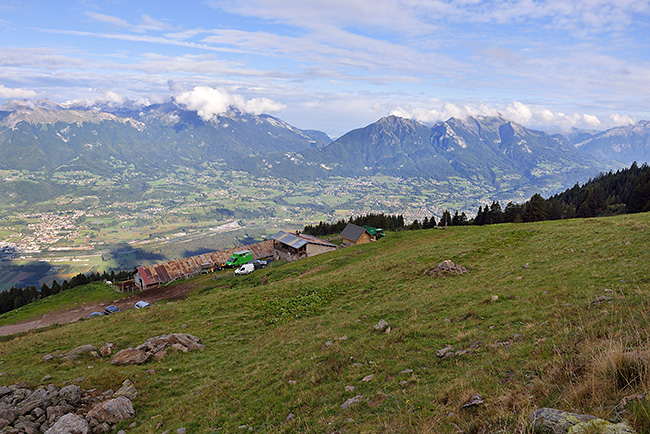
92,292
293,344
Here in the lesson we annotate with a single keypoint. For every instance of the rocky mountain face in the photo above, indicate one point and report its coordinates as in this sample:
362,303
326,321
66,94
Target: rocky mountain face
43,136
489,151
625,144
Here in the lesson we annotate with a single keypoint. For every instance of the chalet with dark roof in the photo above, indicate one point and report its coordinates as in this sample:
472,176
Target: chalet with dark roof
353,234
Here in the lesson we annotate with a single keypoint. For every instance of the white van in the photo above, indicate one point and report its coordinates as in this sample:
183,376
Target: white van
245,269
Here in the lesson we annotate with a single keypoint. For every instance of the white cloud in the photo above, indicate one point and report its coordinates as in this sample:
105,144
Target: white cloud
536,117
621,119
7,92
147,23
109,98
390,14
424,16
209,102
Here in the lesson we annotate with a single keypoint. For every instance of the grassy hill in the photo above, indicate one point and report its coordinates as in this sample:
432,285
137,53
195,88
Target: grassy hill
555,305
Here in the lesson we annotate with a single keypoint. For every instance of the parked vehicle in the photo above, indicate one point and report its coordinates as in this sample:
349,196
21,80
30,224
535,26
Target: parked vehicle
239,258
94,314
111,309
375,233
259,263
245,269
141,304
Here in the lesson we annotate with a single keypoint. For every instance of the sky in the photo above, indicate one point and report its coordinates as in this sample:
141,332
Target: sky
337,65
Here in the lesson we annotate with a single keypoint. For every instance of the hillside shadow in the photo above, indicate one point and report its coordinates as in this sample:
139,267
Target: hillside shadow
23,275
196,252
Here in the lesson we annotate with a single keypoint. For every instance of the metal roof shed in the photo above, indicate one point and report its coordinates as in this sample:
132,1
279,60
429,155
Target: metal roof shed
291,246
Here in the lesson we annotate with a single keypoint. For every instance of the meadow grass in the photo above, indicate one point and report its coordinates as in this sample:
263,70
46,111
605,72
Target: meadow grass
560,310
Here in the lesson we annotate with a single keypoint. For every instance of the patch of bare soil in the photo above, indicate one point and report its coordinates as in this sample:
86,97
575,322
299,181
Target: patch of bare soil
153,295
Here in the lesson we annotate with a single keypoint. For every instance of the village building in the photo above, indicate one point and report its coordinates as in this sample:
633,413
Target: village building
353,234
292,246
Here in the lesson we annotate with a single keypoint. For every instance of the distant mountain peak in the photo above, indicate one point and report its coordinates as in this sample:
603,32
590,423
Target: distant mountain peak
625,144
30,104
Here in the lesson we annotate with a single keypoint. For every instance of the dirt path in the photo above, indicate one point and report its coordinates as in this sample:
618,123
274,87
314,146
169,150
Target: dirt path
176,292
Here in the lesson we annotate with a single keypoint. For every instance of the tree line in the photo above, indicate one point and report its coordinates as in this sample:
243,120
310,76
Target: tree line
16,297
387,222
625,191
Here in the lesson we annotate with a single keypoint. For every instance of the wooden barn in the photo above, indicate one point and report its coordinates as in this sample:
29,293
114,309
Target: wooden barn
353,234
292,246
157,274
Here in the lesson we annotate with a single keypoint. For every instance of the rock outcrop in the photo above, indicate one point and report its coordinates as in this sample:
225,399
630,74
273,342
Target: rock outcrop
552,421
59,411
448,267
157,347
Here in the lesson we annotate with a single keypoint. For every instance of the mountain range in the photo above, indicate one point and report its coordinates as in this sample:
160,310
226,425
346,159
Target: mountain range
45,136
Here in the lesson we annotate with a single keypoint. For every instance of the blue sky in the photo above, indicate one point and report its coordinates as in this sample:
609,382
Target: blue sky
340,64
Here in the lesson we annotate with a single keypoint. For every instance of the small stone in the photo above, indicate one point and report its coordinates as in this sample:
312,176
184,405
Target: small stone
69,423
403,383
349,388
407,371
601,299
292,381
181,430
180,347
525,266
388,330
473,401
290,416
367,378
70,394
184,326
130,356
46,378
351,401
83,349
127,389
111,411
106,349
329,344
475,345
444,351
242,426
343,338
494,298
381,325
